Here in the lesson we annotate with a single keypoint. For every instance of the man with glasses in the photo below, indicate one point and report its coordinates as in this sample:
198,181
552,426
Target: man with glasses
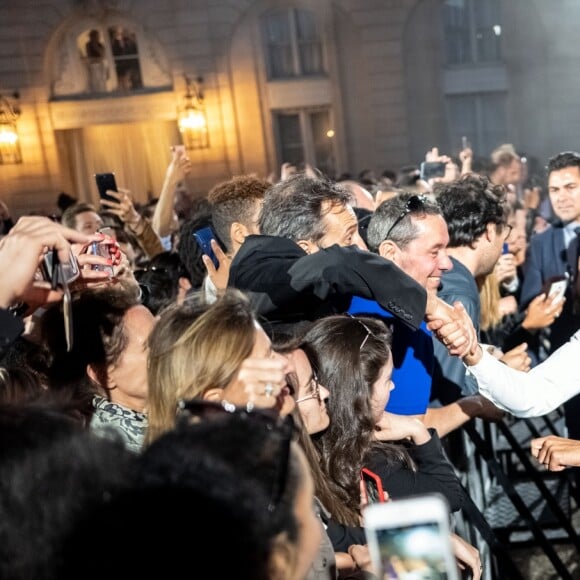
409,230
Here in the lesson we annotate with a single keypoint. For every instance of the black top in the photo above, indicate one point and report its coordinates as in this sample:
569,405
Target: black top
434,473
287,285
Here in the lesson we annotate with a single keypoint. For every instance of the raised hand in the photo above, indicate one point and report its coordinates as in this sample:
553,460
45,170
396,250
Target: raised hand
20,254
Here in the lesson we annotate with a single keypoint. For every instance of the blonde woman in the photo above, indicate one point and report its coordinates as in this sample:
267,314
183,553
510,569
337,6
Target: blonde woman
216,352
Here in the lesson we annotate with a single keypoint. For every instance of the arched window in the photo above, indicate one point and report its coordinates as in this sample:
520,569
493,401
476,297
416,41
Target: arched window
111,59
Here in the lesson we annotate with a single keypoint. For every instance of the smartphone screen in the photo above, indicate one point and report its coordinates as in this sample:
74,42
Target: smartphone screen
373,487
410,538
106,181
431,169
203,237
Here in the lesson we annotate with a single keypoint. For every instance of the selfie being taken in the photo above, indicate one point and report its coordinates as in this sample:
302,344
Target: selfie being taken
302,274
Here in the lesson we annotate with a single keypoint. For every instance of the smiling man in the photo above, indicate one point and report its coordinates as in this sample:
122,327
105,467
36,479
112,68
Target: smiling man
553,253
410,231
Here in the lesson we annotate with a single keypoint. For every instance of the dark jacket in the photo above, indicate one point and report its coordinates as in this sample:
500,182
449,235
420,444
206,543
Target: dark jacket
287,285
11,327
434,474
545,259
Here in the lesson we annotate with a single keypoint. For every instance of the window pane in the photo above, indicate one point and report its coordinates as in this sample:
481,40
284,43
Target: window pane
487,30
323,150
493,120
309,43
277,37
462,116
456,33
479,117
290,145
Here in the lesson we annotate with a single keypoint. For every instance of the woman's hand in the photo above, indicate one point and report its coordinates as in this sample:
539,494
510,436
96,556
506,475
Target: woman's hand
518,358
467,556
542,312
393,427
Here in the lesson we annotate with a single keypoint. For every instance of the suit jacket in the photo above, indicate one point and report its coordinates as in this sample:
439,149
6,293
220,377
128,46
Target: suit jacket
287,285
547,258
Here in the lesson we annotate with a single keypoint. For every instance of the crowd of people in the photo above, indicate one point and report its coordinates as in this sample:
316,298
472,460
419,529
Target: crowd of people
331,325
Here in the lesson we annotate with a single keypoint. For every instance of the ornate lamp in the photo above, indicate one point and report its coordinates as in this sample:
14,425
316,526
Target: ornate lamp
192,120
9,140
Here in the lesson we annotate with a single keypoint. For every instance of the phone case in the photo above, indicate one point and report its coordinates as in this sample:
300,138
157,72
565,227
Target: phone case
203,237
372,490
106,181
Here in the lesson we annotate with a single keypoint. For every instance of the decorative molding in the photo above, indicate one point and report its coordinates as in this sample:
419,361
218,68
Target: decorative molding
112,110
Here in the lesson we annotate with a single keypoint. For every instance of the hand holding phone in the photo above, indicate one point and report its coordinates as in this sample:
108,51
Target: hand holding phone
404,533
203,237
106,182
372,488
101,249
556,287
432,169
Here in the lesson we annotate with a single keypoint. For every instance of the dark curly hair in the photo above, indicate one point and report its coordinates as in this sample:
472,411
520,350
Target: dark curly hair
469,204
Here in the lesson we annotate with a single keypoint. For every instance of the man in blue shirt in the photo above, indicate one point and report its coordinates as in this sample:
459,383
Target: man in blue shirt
410,231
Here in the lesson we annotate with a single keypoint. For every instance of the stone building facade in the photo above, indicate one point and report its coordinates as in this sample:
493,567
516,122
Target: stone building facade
346,85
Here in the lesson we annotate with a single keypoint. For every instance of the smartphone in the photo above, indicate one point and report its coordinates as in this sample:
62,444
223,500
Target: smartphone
557,288
505,248
101,249
105,182
464,143
203,237
56,273
431,169
410,538
372,490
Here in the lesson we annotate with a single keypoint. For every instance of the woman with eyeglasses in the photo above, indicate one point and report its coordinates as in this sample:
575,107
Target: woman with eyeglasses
216,352
354,362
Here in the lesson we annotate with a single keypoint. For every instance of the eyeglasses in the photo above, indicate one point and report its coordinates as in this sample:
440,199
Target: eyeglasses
315,385
509,229
414,203
202,410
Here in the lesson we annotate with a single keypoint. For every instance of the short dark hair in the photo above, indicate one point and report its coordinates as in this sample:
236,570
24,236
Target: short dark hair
387,214
468,205
70,214
294,208
563,160
235,201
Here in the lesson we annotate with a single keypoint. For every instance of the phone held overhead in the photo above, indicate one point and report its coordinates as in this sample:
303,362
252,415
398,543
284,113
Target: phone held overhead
106,182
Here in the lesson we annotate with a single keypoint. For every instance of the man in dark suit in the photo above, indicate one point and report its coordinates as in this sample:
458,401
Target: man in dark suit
553,253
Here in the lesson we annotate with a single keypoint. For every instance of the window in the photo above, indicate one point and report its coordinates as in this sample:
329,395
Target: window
305,136
479,117
111,60
293,44
472,31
